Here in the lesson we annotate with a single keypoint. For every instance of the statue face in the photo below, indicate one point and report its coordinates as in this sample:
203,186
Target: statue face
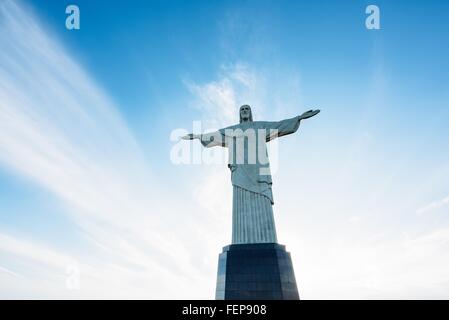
245,113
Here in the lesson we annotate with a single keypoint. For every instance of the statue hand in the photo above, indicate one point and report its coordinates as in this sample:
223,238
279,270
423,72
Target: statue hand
309,114
190,136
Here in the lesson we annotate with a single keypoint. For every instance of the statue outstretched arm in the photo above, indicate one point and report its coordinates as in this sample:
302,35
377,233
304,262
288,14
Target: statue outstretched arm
309,114
287,126
191,136
208,139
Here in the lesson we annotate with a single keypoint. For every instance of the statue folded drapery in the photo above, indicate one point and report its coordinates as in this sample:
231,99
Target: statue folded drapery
252,213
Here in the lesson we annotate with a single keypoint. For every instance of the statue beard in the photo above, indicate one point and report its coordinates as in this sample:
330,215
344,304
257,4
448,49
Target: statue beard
248,119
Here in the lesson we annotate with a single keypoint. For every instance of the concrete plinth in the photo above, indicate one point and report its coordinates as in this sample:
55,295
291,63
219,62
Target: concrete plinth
260,271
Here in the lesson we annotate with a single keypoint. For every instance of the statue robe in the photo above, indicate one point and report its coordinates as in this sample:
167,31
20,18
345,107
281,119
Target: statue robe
253,220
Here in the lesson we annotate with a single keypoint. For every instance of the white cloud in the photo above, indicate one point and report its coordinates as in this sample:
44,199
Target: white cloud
433,205
271,93
45,273
9,272
59,130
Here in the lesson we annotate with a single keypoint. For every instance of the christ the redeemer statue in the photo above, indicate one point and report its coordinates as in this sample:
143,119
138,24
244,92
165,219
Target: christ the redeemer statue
252,213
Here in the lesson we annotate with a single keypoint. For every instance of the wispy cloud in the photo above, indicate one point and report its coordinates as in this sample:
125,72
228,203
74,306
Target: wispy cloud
433,205
9,272
60,130
272,93
45,273
219,99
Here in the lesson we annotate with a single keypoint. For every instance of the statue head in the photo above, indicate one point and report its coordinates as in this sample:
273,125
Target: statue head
245,113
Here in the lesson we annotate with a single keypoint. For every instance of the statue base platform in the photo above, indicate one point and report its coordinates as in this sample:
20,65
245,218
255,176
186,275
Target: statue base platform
256,271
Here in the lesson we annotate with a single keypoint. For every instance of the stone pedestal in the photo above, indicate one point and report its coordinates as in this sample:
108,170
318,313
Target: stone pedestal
259,271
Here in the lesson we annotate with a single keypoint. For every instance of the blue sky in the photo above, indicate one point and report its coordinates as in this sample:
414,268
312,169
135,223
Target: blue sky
86,177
